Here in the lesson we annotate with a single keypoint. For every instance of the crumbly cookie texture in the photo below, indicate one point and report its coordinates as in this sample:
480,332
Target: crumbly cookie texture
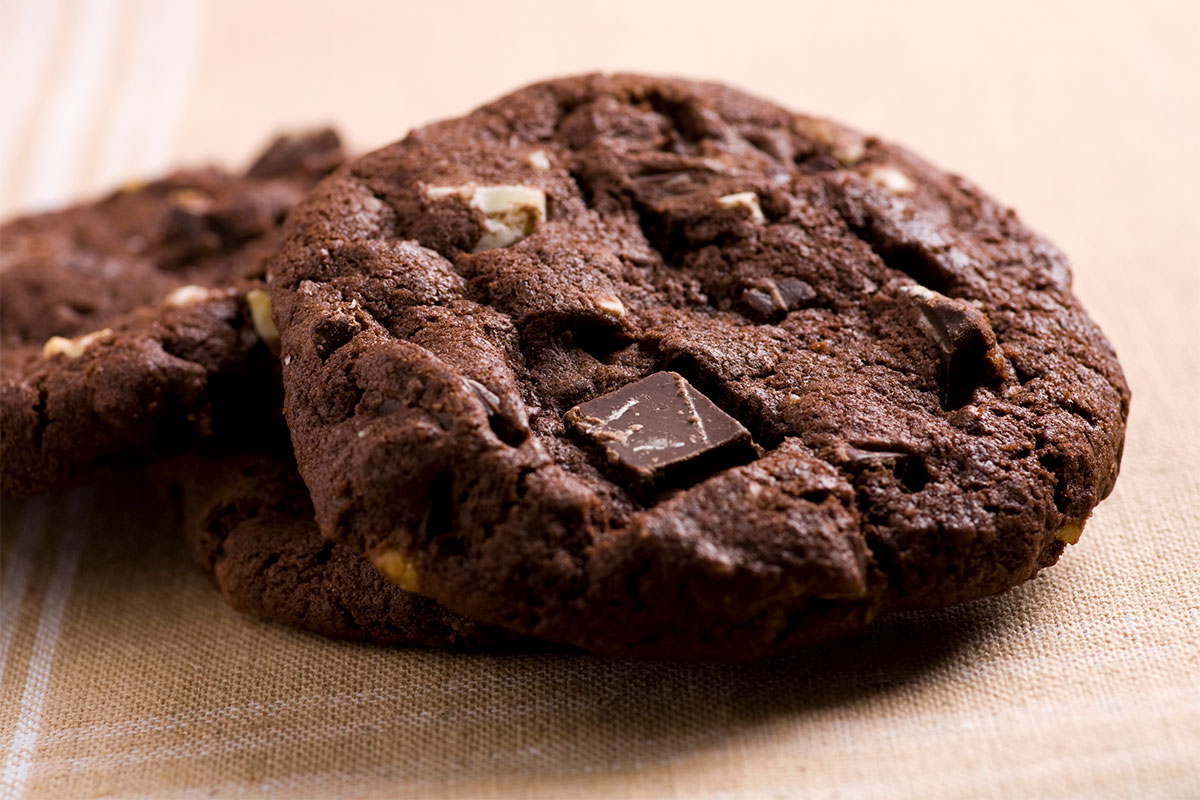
135,324
930,413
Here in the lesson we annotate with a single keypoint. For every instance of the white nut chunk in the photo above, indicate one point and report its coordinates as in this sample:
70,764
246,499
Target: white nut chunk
611,305
850,152
746,200
192,201
188,296
845,146
539,160
891,179
260,314
72,348
511,212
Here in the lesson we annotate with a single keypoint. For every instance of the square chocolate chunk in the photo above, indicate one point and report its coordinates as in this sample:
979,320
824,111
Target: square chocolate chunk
661,430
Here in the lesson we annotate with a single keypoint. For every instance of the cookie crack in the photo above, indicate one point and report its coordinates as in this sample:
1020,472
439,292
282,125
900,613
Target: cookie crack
899,256
42,417
640,211
349,618
222,522
883,556
362,183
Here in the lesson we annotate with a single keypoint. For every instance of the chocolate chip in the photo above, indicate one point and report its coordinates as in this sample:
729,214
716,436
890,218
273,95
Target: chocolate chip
660,430
970,356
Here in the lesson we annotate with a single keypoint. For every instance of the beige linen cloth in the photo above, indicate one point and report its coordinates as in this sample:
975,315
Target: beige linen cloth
124,674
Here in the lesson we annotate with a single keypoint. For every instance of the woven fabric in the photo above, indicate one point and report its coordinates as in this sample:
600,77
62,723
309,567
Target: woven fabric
122,672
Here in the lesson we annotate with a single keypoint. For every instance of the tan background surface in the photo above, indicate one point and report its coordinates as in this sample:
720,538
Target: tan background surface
124,675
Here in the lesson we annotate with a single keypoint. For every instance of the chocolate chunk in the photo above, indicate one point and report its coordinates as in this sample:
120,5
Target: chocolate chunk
660,430
794,292
970,356
909,468
486,396
760,304
509,430
768,300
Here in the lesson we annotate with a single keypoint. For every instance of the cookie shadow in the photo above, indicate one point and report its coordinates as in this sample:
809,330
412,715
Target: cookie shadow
639,713
426,718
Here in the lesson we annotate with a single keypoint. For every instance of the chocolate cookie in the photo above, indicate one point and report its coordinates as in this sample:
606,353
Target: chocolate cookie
249,524
136,323
661,369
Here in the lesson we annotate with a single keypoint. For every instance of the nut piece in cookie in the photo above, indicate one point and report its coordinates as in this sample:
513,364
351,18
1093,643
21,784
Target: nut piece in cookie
746,200
661,430
399,569
190,295
1070,532
260,313
891,179
72,348
510,212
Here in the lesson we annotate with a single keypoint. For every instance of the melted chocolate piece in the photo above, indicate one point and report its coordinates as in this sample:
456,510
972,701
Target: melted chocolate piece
661,430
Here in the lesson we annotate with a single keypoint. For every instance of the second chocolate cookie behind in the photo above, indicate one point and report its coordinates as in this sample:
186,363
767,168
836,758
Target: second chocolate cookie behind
139,323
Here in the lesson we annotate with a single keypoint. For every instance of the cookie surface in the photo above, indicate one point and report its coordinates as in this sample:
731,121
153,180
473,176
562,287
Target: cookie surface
249,525
473,318
136,323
